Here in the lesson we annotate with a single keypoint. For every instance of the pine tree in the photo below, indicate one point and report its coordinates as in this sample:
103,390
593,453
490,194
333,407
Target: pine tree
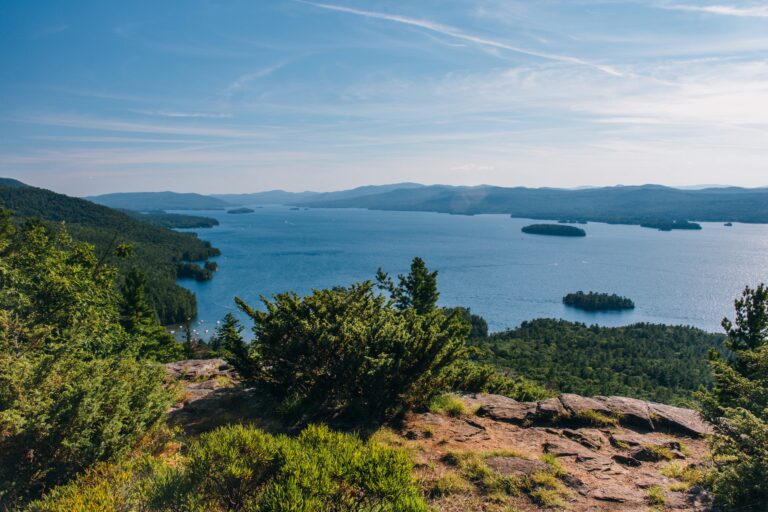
738,406
229,340
417,290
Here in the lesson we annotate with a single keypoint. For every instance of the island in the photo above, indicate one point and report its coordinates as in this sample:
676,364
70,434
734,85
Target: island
554,230
669,225
240,210
592,301
728,224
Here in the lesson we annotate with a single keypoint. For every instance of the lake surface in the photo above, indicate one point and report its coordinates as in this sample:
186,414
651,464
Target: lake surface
486,263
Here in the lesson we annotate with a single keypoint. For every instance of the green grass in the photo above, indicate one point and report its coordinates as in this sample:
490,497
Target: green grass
660,452
449,484
655,496
597,419
687,476
449,404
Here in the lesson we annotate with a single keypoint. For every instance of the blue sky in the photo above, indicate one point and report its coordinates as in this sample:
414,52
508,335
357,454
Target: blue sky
237,96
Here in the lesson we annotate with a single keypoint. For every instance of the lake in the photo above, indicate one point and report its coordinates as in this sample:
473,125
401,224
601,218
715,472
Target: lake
486,263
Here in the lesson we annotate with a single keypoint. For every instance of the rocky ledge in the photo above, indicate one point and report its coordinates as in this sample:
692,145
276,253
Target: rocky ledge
578,410
613,453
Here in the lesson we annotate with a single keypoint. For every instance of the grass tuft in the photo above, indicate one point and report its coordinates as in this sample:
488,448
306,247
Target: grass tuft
449,404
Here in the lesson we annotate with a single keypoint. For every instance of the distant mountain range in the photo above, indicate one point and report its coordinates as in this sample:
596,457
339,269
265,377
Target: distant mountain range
622,205
646,204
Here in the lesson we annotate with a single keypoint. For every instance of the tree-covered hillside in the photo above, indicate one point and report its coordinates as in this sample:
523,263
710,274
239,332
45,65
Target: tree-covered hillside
656,362
157,251
141,201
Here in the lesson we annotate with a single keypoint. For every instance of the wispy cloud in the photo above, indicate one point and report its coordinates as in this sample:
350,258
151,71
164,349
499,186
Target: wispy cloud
243,80
178,114
755,11
455,33
121,126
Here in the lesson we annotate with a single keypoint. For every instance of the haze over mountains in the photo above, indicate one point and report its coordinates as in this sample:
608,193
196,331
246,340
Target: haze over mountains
620,204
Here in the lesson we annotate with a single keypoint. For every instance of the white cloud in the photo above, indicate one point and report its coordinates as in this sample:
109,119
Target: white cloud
755,11
463,36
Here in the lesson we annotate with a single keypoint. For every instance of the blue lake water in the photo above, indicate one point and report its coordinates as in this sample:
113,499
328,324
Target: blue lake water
486,263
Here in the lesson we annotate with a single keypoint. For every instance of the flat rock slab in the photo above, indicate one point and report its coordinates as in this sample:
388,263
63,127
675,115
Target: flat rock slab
561,410
198,369
515,466
501,408
585,437
577,405
677,419
551,409
629,410
617,494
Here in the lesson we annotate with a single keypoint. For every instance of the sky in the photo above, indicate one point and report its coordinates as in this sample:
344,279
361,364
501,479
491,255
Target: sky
217,96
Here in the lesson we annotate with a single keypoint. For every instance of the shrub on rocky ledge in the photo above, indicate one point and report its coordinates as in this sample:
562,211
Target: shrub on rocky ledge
347,352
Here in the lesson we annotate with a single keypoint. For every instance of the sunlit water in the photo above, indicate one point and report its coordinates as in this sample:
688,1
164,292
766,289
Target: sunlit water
486,263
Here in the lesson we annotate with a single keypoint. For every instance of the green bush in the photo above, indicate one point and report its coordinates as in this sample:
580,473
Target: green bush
243,468
61,415
347,352
72,390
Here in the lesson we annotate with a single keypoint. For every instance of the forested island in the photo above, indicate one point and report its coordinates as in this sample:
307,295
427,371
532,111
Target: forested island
240,211
662,225
554,230
592,301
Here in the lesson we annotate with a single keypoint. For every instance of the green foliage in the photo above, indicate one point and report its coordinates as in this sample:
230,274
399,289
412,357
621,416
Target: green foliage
472,377
347,352
592,301
738,406
156,250
62,414
656,362
449,404
598,419
242,468
476,322
71,393
655,496
417,290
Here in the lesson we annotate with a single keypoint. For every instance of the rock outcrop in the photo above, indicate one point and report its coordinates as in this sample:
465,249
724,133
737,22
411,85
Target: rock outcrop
569,409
